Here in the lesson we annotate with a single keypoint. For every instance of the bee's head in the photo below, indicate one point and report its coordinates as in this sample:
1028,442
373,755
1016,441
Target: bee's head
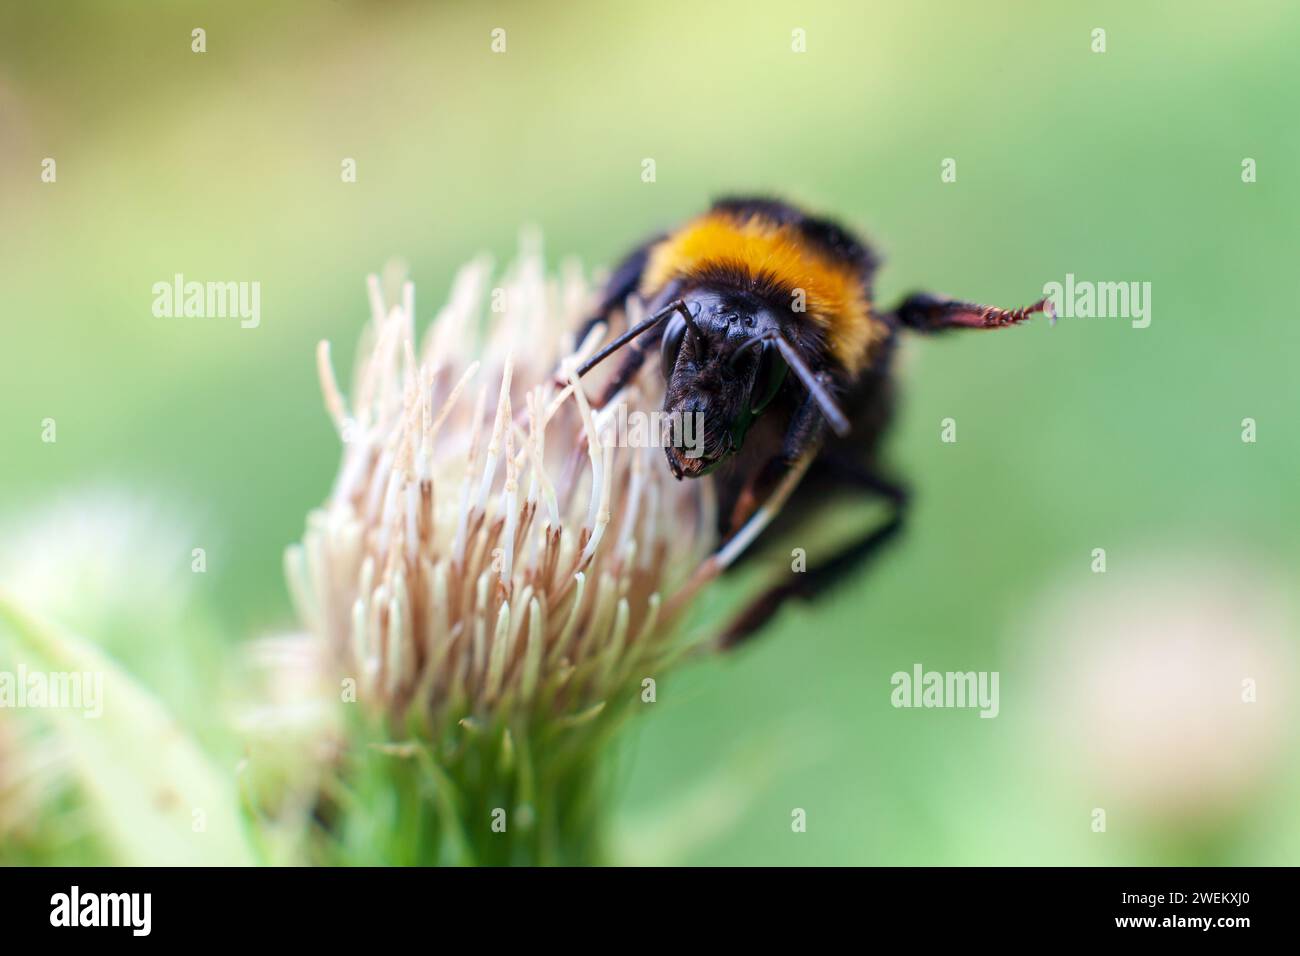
725,358
723,368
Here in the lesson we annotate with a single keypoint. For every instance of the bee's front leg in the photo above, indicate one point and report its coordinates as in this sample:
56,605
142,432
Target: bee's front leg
807,426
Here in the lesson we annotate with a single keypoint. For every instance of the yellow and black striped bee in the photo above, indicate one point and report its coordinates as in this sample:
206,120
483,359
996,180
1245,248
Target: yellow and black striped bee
766,330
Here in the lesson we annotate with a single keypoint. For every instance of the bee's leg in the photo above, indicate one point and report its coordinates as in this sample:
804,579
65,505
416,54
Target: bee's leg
808,584
807,426
637,343
934,313
632,343
737,543
622,282
629,365
803,437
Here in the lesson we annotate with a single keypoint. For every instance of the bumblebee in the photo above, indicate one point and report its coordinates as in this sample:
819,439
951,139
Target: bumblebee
767,333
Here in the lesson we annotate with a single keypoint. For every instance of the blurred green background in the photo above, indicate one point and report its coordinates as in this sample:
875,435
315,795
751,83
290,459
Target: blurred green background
1116,166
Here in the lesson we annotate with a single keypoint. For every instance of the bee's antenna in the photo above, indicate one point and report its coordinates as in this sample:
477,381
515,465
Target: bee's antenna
825,401
643,326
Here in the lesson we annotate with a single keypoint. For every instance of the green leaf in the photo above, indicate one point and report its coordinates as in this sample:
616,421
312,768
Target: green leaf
153,794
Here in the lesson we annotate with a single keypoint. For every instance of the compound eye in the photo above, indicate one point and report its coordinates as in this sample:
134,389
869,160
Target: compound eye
672,344
768,378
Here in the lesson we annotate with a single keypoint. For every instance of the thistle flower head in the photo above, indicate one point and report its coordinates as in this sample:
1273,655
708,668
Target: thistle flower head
486,549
